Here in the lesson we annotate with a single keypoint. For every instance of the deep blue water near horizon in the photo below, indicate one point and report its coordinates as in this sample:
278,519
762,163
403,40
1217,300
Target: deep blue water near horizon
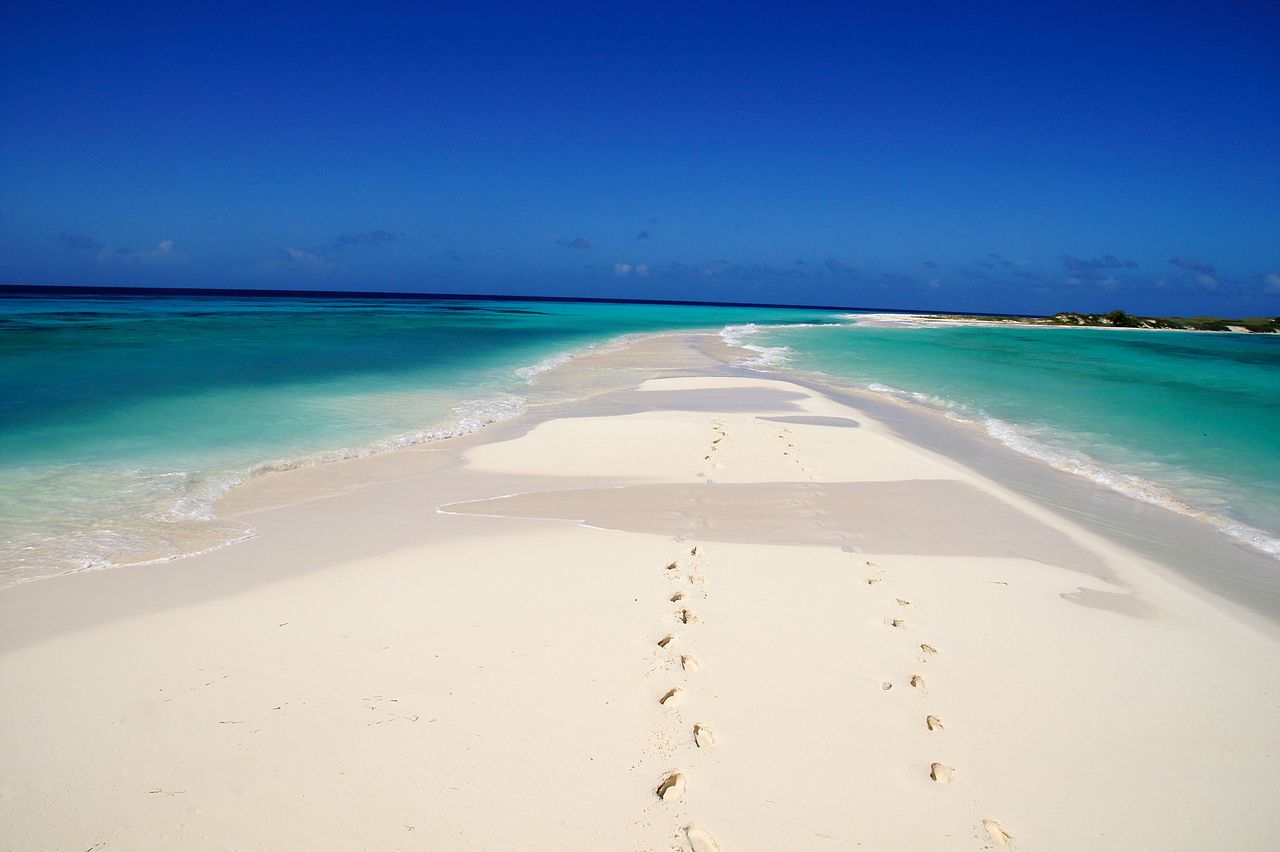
123,417
1186,420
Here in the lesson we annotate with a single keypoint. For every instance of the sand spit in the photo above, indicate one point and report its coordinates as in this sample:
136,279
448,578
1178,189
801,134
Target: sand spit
700,611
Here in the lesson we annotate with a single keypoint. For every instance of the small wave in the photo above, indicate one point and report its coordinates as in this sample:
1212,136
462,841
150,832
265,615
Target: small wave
528,374
883,320
732,334
766,357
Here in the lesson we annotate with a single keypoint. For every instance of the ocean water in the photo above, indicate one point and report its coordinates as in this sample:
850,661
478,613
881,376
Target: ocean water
124,418
1187,420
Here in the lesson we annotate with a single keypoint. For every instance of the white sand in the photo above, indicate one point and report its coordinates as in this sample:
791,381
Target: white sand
371,673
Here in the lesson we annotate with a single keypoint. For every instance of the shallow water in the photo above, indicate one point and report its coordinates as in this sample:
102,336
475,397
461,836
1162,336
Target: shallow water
1186,420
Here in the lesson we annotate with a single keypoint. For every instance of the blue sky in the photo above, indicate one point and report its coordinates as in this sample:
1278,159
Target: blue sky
1011,157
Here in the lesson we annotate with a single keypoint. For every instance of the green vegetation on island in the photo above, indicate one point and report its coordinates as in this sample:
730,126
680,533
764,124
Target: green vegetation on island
1120,319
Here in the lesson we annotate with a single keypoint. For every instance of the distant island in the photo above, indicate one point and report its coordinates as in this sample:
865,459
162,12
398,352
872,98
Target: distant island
1120,319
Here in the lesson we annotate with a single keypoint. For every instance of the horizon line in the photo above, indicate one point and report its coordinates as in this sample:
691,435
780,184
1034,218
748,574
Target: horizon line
123,290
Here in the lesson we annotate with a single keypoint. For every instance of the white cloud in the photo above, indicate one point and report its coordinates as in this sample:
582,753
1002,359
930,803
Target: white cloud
304,260
163,249
162,253
624,270
296,259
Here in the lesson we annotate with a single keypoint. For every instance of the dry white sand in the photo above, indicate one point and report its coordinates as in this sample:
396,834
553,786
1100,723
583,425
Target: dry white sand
741,649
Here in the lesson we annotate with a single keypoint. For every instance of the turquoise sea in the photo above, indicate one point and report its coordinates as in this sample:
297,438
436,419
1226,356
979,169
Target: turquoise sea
124,417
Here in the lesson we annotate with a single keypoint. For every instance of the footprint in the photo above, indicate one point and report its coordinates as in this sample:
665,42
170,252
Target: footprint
672,787
940,773
686,616
671,696
671,566
700,841
689,663
718,440
928,649
996,832
933,723
702,737
677,597
697,579
897,622
902,602
871,581
695,550
886,686
916,681
666,640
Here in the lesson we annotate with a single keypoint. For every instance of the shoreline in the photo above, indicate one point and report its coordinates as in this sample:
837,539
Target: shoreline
622,595
590,619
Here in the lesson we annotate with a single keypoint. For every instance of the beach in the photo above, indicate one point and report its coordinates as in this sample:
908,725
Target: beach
687,606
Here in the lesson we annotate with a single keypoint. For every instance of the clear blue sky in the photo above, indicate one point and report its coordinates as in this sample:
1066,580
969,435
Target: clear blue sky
952,155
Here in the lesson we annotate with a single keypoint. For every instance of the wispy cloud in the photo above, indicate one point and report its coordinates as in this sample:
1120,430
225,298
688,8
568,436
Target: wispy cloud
626,270
839,268
162,251
85,245
1206,274
1192,265
79,243
1080,266
575,243
455,256
344,242
929,264
643,235
727,271
300,260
